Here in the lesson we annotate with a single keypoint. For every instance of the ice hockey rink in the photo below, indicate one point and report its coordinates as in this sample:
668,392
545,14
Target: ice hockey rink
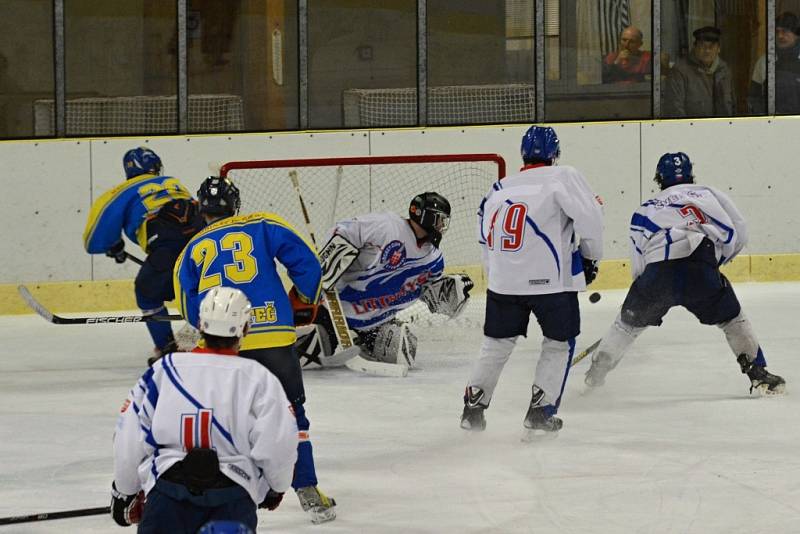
672,444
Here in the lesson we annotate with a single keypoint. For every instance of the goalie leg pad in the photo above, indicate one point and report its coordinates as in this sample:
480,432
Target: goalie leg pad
448,295
395,343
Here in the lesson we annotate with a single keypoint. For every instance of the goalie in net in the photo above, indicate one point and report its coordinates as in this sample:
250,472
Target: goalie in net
380,264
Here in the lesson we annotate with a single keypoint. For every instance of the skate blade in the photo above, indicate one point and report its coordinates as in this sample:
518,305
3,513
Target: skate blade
322,515
535,436
764,390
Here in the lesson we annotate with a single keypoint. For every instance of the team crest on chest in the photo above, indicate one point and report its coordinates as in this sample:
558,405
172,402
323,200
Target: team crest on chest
393,255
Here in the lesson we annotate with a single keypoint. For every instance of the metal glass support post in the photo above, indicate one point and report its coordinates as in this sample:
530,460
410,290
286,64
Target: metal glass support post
422,62
302,70
538,35
770,57
59,69
656,22
183,60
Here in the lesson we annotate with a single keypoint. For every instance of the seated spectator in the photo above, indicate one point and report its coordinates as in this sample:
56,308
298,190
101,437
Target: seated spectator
787,70
701,84
628,64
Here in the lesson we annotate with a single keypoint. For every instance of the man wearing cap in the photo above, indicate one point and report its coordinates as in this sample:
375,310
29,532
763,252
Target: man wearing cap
701,84
787,70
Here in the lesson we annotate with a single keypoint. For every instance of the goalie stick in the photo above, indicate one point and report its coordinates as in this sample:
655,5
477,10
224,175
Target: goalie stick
47,516
331,295
49,316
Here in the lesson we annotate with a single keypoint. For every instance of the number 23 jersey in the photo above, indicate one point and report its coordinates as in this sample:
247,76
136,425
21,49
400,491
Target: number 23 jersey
241,252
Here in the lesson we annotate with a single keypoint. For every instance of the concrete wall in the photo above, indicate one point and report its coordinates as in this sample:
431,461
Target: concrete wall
48,186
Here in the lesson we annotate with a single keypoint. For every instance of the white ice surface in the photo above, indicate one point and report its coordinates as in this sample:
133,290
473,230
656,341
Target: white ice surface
672,444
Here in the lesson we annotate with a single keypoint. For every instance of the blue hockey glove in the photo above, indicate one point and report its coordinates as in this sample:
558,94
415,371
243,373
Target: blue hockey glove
589,270
117,251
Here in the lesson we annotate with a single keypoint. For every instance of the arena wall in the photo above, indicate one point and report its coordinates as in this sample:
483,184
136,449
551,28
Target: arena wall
48,187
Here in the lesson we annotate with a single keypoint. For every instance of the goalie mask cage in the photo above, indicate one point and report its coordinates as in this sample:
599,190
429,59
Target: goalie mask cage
340,188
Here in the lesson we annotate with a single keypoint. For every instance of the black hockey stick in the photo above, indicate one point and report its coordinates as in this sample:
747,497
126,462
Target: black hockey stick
134,259
47,516
49,316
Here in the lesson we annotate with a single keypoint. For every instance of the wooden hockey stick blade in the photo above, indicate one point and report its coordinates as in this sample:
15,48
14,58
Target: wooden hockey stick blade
54,515
49,316
361,365
588,350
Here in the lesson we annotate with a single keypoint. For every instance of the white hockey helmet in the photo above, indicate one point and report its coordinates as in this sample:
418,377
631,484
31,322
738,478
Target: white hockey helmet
224,312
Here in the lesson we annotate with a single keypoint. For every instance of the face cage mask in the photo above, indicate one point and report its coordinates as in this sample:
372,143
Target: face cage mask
436,224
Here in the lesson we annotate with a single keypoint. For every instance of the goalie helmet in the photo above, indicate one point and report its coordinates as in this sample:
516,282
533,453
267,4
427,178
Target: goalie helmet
224,312
219,197
540,144
432,212
141,160
672,169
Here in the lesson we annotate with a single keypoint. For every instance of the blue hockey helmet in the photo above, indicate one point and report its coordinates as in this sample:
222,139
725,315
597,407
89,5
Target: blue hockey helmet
141,160
540,143
224,527
219,197
672,169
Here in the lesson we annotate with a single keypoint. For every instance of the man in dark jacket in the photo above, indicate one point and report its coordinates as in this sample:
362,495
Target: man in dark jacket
700,85
787,70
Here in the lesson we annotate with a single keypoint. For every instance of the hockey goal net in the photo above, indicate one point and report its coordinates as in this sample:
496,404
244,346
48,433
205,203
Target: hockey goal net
339,188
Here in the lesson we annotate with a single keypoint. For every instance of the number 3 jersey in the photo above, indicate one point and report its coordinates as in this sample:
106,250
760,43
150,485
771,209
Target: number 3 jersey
534,227
675,222
125,209
390,270
215,401
241,252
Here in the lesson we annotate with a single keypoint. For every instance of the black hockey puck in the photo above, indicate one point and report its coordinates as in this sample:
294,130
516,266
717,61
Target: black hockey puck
594,297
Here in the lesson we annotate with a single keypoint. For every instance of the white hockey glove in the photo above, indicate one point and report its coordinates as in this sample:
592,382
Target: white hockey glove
448,295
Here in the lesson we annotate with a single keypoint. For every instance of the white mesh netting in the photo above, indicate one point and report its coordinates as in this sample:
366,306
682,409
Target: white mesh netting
140,114
457,104
339,191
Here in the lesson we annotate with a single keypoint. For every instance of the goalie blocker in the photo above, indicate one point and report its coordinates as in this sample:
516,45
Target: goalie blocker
389,349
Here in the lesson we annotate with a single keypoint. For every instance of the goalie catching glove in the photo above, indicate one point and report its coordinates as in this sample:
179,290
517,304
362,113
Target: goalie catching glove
448,295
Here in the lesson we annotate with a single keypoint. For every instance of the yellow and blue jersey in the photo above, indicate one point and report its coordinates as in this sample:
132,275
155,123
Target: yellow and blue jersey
125,209
240,252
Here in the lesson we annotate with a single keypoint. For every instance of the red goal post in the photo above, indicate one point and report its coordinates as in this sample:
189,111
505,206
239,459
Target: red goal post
338,188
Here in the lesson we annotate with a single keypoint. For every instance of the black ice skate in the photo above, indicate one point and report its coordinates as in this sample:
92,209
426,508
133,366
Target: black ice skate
472,416
761,380
539,421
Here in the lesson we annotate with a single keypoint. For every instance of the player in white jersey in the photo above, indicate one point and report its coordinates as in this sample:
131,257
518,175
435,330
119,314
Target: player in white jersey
678,241
394,263
206,435
542,234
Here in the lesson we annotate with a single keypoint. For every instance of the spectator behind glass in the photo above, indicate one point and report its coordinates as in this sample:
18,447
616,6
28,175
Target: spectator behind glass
787,70
628,64
701,84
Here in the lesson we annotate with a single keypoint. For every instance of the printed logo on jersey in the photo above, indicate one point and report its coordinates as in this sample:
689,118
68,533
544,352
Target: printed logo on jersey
393,255
196,429
410,289
264,314
125,405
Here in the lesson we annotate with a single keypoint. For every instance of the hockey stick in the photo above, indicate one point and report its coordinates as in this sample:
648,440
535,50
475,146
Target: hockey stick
588,350
331,295
134,259
49,316
47,516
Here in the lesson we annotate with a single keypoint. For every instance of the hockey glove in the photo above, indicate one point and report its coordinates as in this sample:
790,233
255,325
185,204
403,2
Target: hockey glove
589,270
272,500
304,311
126,510
117,251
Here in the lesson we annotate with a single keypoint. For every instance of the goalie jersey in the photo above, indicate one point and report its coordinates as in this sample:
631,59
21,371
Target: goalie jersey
535,226
241,252
125,209
223,402
675,222
389,272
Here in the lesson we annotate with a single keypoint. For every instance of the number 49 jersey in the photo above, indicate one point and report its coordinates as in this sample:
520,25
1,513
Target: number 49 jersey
675,222
125,209
535,226
240,252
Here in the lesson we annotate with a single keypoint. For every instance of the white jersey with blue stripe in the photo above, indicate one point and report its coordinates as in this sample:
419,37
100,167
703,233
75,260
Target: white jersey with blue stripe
390,270
535,226
672,225
200,399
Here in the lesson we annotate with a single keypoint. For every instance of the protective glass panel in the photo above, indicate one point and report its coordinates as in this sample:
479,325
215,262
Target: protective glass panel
120,68
598,59
242,65
26,64
713,52
362,63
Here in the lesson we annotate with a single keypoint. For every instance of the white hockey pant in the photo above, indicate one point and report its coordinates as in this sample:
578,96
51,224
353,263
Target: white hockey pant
740,336
552,369
487,368
617,340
